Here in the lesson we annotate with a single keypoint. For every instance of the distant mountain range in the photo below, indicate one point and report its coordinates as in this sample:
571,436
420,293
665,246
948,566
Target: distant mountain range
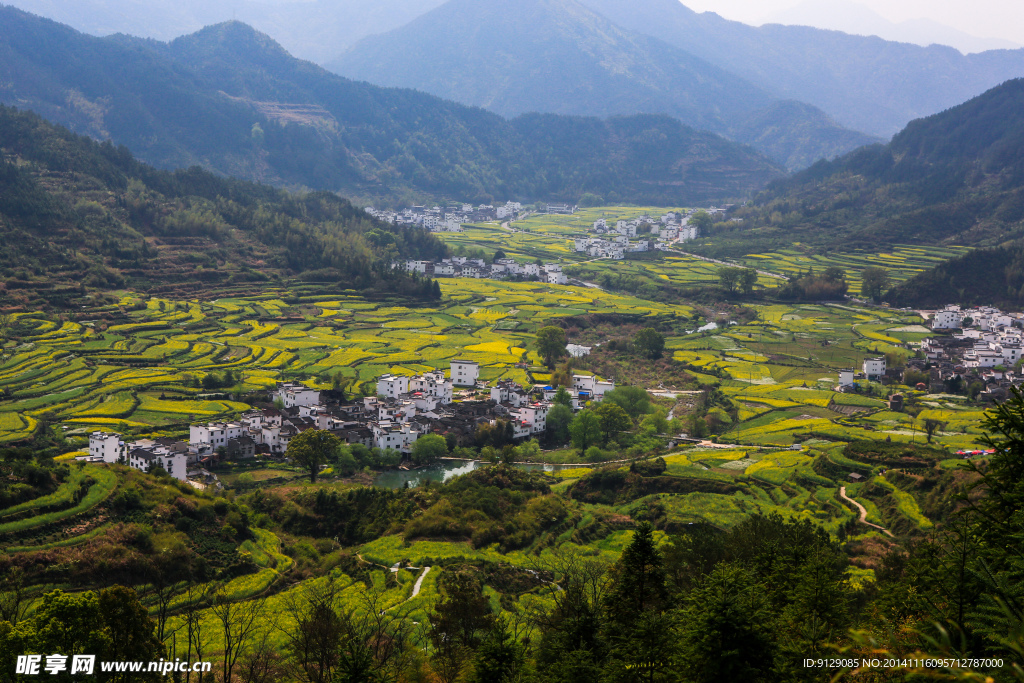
864,83
232,100
861,20
316,30
953,178
559,56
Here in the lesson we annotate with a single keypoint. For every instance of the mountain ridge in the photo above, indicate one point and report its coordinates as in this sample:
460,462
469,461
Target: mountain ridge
558,56
864,83
231,99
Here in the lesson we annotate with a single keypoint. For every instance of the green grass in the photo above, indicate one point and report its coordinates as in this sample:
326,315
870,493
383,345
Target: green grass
106,482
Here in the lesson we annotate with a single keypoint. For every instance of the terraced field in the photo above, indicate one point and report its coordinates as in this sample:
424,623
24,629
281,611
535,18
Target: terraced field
152,365
903,262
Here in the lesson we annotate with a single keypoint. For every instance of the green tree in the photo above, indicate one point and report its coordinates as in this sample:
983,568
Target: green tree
458,622
563,397
874,281
931,426
312,449
727,628
639,628
585,430
748,280
500,658
551,344
655,423
614,419
634,400
558,420
703,220
429,449
649,342
729,277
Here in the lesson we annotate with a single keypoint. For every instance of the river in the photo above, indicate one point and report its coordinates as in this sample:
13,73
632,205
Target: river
445,470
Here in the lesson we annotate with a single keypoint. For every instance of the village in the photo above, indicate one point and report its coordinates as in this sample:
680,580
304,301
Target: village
613,242
403,409
450,218
978,352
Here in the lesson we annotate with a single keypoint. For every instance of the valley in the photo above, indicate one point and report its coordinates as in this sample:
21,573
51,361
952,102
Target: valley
585,341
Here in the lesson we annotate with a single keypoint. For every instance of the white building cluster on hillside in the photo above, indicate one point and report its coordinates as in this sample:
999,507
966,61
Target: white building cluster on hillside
448,218
501,269
614,241
144,455
404,409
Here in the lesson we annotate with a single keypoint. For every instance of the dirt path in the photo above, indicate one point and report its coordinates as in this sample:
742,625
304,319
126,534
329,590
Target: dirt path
419,583
863,512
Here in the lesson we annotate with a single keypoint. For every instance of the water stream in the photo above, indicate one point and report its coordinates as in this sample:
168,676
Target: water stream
443,471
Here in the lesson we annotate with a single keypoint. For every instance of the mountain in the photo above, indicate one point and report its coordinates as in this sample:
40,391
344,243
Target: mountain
77,214
864,83
309,29
232,100
953,178
861,20
558,56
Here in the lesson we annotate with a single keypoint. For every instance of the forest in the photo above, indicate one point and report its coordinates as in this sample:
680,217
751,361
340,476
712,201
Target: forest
81,214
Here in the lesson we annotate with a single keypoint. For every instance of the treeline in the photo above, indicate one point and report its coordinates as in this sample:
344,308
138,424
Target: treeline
100,212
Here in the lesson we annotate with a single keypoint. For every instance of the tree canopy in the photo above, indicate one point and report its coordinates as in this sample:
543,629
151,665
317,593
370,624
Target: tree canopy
312,449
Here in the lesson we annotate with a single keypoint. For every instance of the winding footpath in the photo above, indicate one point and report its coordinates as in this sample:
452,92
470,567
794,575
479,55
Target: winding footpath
863,512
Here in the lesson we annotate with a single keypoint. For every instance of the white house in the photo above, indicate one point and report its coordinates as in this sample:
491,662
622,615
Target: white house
433,384
465,373
295,394
145,459
392,386
107,446
214,434
874,368
948,319
399,437
535,415
846,378
591,385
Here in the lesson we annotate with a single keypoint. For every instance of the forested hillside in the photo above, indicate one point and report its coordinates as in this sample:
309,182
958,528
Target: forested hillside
502,61
77,214
985,277
953,178
232,100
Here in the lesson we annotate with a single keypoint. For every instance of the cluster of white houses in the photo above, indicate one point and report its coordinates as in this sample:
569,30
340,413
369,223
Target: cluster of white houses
501,269
977,345
613,241
983,337
404,409
447,218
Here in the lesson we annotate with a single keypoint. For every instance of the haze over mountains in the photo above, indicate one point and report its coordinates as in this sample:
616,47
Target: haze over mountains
864,83
232,100
858,19
559,56
316,30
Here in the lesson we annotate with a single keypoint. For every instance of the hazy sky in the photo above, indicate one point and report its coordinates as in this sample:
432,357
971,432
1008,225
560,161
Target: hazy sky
983,18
